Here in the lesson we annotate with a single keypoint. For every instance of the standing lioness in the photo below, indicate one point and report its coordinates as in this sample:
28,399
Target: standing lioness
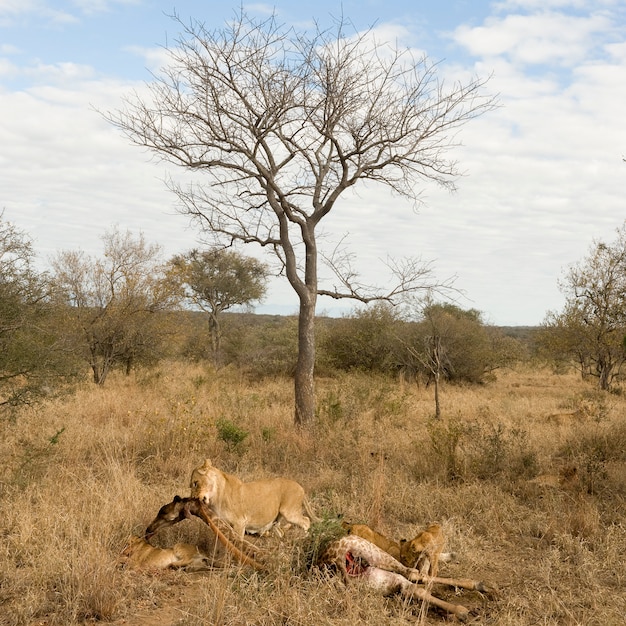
252,507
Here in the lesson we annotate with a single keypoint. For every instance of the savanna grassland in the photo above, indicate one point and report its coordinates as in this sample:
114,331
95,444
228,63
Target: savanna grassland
82,473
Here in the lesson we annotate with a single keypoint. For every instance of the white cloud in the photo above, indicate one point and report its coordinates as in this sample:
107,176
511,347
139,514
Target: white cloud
9,49
154,58
7,69
58,73
545,174
39,10
260,7
66,176
15,7
542,38
545,169
49,9
100,6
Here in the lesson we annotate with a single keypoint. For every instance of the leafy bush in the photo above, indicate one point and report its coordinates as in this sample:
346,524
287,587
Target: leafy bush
593,449
261,346
367,340
446,438
231,434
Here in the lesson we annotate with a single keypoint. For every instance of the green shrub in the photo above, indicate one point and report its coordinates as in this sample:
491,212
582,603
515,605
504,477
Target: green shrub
231,434
495,451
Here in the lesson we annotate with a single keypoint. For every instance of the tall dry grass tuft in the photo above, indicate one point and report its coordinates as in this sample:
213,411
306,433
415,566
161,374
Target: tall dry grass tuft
81,474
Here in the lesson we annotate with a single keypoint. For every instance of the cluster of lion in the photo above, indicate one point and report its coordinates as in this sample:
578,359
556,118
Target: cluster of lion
232,508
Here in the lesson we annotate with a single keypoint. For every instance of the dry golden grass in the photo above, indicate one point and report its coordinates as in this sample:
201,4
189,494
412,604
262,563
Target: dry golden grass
80,475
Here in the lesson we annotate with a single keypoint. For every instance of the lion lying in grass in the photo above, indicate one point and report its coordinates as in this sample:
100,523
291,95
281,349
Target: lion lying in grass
253,507
141,555
180,509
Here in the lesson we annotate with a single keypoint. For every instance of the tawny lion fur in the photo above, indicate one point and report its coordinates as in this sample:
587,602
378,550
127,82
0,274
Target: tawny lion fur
363,530
180,509
141,555
252,507
423,552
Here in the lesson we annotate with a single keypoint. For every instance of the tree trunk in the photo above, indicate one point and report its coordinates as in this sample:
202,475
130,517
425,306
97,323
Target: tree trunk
437,362
305,366
100,364
437,403
215,332
604,367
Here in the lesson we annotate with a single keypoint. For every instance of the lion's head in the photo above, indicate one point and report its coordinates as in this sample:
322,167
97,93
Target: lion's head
204,482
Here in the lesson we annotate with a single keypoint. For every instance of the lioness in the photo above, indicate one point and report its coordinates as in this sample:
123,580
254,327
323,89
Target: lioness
362,530
423,552
567,478
252,507
139,554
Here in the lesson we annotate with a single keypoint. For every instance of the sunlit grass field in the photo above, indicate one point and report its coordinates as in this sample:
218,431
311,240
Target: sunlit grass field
80,474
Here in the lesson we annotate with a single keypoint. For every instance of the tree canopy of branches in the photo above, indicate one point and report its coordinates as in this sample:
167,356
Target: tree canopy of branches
31,357
217,280
591,329
282,122
112,300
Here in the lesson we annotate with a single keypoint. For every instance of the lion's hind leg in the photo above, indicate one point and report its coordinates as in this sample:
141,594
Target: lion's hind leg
295,517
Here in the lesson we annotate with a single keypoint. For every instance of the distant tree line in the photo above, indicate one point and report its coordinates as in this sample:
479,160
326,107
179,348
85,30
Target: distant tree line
131,308
125,309
440,341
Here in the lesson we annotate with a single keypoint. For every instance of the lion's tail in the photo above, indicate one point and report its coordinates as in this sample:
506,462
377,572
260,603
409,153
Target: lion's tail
309,510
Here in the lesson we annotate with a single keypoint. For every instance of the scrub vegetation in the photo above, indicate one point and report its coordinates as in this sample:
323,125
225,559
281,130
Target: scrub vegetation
82,472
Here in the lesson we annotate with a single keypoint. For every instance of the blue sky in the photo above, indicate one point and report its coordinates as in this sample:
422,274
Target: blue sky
544,173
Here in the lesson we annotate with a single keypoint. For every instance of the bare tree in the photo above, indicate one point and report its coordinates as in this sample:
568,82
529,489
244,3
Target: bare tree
112,301
282,123
433,353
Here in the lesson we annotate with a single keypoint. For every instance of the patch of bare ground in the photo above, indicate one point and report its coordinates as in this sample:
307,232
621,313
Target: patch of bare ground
82,474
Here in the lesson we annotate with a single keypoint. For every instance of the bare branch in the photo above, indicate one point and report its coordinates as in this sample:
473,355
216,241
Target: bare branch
280,123
409,276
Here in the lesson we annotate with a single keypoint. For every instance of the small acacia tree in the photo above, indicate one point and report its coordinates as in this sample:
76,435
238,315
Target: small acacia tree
217,280
111,301
591,329
282,122
454,345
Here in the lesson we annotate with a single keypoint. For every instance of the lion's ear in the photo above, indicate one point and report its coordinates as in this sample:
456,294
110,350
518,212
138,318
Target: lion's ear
205,467
177,498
